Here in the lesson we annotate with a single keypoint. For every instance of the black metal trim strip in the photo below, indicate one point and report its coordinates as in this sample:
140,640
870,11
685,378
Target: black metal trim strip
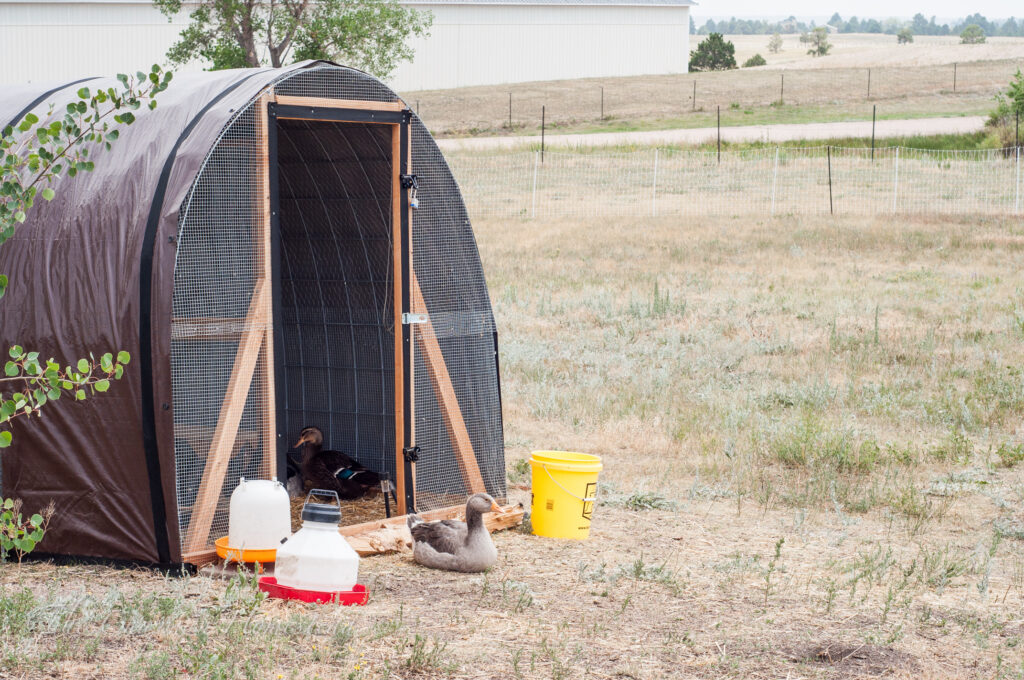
407,384
291,111
280,393
39,100
156,490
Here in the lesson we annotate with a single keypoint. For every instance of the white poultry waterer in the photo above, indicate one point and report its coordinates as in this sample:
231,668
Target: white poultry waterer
259,519
317,564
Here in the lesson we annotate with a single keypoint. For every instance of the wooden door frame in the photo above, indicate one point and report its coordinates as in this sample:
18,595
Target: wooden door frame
398,117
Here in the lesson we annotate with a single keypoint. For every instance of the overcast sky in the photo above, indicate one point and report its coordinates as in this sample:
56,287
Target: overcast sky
861,8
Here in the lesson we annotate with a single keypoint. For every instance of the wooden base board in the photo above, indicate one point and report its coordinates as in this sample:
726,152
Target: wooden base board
392,535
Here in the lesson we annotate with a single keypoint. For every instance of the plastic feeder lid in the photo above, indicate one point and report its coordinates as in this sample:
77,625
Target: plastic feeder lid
321,512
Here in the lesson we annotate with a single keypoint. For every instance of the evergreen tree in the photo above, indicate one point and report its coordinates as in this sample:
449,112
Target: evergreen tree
714,53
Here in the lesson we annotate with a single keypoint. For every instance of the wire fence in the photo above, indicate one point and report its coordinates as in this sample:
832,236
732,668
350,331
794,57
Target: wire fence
769,181
940,88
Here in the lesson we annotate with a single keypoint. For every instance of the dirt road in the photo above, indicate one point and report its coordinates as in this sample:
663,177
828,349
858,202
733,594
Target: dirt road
746,133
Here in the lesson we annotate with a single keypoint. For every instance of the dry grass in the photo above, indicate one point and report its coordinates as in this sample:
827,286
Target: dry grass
906,82
825,417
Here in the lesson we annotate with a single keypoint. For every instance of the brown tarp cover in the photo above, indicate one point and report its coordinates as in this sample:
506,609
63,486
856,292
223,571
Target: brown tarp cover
75,287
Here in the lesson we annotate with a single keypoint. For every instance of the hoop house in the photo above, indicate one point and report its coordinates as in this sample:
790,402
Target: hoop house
276,248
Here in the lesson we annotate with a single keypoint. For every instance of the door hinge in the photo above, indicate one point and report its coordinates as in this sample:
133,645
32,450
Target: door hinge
408,318
411,453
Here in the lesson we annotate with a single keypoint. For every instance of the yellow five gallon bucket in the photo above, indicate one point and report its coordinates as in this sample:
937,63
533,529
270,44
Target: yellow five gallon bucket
564,492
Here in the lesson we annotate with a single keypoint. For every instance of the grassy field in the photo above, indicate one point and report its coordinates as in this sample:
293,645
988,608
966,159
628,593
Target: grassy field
905,82
812,435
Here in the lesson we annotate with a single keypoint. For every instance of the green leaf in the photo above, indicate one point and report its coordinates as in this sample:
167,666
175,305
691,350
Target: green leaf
84,93
80,395
11,369
3,284
118,371
25,545
102,385
35,520
8,503
31,118
16,352
5,441
123,357
48,194
83,366
53,393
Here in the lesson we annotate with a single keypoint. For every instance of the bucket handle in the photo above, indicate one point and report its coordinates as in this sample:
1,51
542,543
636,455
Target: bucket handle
584,499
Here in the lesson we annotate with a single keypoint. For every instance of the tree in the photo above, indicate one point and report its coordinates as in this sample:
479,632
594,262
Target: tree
775,43
368,34
972,35
714,53
818,40
756,60
836,20
905,36
1009,105
693,27
34,154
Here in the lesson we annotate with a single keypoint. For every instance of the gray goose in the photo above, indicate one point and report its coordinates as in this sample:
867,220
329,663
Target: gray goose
453,545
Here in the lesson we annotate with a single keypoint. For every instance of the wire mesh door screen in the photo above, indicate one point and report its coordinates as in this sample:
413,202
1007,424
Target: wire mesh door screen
344,380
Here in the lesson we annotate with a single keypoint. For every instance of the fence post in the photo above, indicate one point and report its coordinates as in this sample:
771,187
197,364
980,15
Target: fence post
869,83
509,110
775,180
896,180
602,102
828,153
719,133
542,134
695,95
654,187
874,109
533,209
782,89
954,77
1016,197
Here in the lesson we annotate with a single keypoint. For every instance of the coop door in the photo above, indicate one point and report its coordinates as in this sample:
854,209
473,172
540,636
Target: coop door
340,227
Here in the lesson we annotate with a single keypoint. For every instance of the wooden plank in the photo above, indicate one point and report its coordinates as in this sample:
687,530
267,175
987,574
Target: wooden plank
207,328
377,538
200,557
411,377
228,421
386,536
266,252
321,102
446,397
396,278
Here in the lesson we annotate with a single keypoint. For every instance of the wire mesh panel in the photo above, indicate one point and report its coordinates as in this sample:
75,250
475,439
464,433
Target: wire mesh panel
336,316
337,311
218,263
447,266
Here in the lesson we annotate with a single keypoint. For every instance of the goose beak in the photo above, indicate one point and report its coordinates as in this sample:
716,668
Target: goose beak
495,507
299,443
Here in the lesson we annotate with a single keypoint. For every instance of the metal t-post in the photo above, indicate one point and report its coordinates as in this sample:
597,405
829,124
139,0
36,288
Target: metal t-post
874,109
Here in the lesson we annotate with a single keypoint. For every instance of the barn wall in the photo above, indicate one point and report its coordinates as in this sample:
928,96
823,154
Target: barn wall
494,44
468,44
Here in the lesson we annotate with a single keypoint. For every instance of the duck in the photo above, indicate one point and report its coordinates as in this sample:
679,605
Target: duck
333,470
453,545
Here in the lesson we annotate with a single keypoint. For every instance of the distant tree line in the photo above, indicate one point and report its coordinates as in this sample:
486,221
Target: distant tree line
919,25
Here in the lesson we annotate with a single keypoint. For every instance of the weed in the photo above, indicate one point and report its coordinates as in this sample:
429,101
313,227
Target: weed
770,570
1009,455
427,653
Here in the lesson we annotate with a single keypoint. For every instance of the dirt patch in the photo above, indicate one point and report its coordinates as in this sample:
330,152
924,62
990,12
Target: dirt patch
853,660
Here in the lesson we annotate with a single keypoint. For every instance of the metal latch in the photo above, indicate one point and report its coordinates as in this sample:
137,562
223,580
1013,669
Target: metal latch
411,453
408,318
411,183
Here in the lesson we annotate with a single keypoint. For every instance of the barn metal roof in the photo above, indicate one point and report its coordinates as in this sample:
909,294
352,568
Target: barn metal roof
580,3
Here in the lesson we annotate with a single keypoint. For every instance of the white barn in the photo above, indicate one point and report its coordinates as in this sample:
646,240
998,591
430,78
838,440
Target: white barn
471,42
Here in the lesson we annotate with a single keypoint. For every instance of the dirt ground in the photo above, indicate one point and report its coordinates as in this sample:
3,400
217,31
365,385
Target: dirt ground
812,436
